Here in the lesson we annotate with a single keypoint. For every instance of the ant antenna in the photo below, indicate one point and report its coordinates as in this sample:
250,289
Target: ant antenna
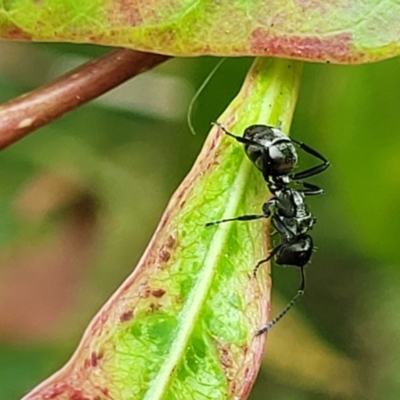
239,139
299,293
197,94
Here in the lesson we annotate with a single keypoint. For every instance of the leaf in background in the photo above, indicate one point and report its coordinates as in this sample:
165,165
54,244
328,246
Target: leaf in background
297,355
182,325
340,31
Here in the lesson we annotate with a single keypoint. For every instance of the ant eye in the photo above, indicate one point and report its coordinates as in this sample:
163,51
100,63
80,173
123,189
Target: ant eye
283,158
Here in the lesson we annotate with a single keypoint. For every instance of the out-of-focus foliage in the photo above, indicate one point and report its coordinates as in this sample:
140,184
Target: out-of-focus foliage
80,198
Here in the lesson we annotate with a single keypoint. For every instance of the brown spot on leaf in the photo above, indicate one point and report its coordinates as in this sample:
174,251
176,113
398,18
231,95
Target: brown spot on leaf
78,395
95,358
170,242
54,391
338,47
154,307
225,358
126,316
124,13
165,252
158,293
98,324
144,290
213,143
13,32
165,255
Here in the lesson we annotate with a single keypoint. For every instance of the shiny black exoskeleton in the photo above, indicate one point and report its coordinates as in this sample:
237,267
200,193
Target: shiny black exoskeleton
292,219
275,155
290,216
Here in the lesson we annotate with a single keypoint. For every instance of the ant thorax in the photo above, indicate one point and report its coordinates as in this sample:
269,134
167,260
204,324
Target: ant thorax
301,206
293,211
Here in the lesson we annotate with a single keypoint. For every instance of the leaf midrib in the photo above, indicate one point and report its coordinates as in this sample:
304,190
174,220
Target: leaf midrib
191,311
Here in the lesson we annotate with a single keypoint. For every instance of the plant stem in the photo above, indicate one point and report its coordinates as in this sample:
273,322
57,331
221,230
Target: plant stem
25,114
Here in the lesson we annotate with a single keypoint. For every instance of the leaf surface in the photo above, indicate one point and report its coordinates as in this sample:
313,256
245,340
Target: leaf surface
182,325
336,31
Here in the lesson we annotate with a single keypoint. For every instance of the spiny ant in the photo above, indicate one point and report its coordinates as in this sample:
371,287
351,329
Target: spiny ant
275,155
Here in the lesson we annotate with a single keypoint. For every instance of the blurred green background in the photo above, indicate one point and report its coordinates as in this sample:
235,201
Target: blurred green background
80,198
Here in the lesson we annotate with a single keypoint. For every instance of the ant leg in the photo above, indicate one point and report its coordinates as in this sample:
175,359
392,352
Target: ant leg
308,149
310,172
314,170
310,189
266,214
273,252
240,139
299,293
273,202
281,227
241,218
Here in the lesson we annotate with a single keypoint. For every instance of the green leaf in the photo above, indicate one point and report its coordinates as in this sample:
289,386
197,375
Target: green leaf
340,31
182,325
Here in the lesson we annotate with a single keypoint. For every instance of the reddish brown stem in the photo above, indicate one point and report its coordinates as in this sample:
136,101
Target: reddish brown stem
26,113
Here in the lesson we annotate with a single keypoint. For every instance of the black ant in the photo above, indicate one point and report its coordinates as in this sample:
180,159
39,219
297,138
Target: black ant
275,155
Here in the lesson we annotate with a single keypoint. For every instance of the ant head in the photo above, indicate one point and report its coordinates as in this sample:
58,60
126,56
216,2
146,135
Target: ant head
271,150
